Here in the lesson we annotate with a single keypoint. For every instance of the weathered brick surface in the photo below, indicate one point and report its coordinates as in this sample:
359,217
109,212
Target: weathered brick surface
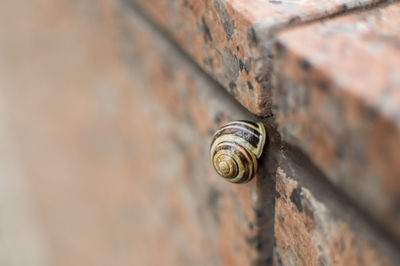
233,39
105,131
337,98
318,229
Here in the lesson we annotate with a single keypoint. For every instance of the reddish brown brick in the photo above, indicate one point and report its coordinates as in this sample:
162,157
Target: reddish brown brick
337,97
307,232
233,39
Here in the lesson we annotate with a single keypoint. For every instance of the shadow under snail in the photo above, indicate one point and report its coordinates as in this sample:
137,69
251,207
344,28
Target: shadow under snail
235,149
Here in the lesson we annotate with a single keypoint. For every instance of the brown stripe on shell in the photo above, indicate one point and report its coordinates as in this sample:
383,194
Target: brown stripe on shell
250,138
250,163
219,147
243,125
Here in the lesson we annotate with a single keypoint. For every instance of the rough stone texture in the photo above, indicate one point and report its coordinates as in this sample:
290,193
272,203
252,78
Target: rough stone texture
308,233
104,132
337,98
233,39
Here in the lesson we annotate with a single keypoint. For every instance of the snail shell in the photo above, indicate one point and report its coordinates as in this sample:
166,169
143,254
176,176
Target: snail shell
235,149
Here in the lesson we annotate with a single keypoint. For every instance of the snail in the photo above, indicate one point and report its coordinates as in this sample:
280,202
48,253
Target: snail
235,149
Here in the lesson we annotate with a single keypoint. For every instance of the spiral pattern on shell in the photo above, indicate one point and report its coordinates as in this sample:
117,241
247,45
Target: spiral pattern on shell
235,149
